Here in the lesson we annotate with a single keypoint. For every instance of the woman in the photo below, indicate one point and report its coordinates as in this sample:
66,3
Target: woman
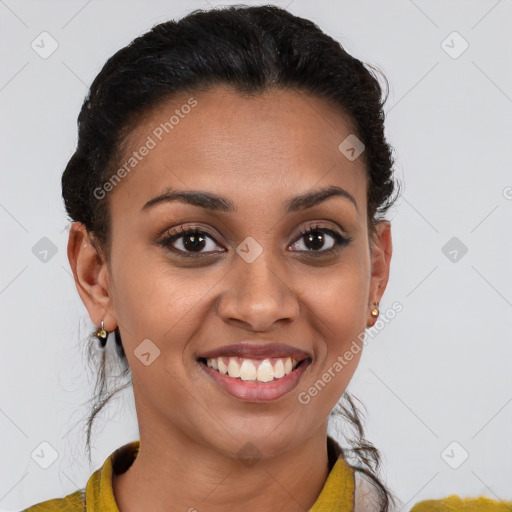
228,194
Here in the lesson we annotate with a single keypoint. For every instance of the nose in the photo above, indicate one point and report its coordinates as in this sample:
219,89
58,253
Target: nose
257,295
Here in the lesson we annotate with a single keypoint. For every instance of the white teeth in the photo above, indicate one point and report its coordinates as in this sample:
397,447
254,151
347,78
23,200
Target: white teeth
247,370
222,366
279,369
264,370
233,368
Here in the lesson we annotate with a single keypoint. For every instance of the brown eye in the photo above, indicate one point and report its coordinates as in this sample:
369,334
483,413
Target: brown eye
194,242
189,241
321,240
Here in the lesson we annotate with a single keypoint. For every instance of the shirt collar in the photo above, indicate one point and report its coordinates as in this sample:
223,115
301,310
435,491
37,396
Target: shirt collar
99,494
337,494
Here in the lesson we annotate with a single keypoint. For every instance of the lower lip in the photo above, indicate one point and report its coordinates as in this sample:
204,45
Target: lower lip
253,391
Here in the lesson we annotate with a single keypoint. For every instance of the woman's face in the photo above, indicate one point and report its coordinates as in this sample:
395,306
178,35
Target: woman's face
248,275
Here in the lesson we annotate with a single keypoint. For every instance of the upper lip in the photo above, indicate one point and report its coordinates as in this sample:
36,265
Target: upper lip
255,350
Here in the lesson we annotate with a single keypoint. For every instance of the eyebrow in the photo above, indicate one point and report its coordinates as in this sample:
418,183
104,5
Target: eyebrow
214,202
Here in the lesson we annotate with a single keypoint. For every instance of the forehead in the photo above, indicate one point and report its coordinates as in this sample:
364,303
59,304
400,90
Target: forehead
237,145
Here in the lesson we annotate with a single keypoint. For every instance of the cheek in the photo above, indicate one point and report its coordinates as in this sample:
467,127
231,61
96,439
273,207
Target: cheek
338,300
342,327
339,310
154,300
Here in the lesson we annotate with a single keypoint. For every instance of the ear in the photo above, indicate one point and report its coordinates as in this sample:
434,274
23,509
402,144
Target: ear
380,252
91,276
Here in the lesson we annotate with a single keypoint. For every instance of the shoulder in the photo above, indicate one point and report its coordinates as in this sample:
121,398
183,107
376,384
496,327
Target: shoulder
74,502
455,503
98,493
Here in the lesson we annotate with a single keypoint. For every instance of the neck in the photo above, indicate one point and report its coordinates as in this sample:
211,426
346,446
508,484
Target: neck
172,472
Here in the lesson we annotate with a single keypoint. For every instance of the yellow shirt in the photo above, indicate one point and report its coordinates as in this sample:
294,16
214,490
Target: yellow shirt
337,494
454,504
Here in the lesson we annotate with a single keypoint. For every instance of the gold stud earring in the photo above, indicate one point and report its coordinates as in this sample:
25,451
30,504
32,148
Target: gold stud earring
102,335
375,311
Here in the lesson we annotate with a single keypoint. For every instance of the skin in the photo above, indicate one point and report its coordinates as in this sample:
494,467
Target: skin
257,152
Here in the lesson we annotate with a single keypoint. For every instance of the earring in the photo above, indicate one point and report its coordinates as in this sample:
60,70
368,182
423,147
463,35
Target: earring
102,335
375,311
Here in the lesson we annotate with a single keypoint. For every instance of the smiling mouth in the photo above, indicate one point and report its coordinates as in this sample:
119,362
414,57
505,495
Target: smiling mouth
254,370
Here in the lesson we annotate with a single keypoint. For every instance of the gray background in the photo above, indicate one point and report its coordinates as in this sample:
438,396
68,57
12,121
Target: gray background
438,373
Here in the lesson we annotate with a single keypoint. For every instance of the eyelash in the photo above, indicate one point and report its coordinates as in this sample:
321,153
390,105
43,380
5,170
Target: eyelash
339,241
